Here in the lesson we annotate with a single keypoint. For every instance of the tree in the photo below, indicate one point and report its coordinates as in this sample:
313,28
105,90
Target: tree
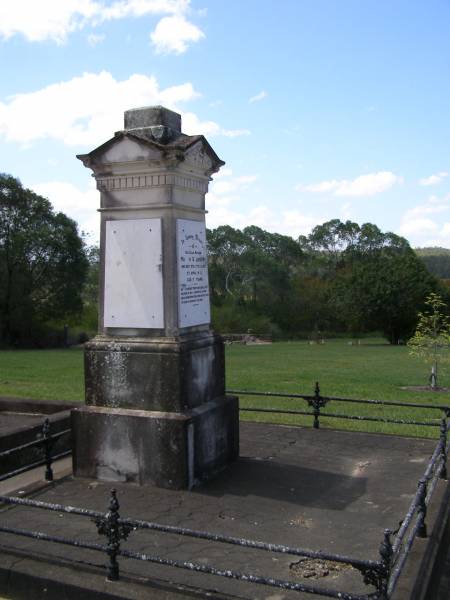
89,317
437,261
42,264
431,340
383,292
250,274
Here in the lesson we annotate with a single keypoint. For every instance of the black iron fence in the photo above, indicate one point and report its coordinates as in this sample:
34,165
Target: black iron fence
115,529
43,446
316,402
382,574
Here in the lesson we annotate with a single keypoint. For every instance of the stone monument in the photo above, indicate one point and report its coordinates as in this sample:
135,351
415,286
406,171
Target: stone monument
156,409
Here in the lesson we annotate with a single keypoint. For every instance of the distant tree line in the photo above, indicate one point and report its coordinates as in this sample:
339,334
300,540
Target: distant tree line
437,261
341,279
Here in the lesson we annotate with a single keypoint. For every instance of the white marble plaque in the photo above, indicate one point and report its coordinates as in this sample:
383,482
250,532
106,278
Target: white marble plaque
192,258
133,274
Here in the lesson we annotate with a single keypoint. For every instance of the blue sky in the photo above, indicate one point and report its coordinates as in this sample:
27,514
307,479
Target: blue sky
321,109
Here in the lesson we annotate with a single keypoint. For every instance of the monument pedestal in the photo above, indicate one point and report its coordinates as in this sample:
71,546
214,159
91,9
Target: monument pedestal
169,449
156,410
167,373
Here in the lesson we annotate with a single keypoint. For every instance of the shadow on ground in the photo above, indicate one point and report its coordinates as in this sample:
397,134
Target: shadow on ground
285,482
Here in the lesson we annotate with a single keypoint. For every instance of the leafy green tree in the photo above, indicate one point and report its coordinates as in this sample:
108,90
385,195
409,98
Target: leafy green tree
250,272
42,264
437,261
89,317
431,340
383,292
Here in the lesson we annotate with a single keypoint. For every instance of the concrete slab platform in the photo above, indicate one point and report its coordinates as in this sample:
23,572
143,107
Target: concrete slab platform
321,489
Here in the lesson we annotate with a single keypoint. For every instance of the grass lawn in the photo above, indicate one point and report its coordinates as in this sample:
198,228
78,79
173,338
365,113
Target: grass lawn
372,370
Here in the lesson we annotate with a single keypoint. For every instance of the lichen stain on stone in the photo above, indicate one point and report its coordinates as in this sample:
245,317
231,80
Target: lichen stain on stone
116,377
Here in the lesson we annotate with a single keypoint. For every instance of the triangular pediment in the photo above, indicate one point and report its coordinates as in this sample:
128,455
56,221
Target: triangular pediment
122,149
126,147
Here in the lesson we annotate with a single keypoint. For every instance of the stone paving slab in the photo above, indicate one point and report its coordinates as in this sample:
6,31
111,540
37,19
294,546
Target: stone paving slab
321,489
11,421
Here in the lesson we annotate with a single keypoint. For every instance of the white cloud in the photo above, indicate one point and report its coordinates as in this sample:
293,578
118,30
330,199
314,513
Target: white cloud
192,125
417,226
86,110
56,19
428,224
288,222
434,179
224,203
364,185
93,39
78,204
228,184
263,94
172,35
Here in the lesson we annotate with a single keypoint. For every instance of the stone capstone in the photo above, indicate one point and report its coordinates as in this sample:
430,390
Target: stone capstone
155,122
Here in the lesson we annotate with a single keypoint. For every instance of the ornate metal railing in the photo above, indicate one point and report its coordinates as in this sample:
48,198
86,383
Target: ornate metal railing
45,444
115,529
397,544
317,402
382,574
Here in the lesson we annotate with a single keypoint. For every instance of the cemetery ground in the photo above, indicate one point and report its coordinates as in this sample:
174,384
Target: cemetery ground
370,369
323,489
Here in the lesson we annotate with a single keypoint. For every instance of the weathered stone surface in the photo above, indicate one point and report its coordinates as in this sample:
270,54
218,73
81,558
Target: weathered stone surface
167,449
154,374
155,350
149,116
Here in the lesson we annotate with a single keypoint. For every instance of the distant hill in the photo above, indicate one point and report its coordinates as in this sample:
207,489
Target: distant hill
437,260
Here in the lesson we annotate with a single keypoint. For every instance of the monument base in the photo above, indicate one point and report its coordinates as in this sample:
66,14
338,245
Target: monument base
168,449
155,374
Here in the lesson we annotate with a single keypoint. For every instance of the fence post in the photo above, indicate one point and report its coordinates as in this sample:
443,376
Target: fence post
47,440
422,531
114,531
386,553
443,448
316,405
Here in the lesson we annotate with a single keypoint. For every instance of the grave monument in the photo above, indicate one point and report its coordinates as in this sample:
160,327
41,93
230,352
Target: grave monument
156,409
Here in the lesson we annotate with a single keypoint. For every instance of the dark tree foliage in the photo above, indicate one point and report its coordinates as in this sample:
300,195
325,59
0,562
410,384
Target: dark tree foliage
436,260
343,277
251,275
383,292
42,264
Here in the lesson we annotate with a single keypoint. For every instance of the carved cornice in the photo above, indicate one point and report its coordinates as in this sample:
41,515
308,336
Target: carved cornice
133,182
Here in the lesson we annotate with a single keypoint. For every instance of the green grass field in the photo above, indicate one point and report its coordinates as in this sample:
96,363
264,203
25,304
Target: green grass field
372,370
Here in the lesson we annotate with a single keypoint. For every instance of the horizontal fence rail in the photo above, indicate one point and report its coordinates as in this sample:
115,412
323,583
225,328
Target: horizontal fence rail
317,402
413,524
383,574
117,529
45,444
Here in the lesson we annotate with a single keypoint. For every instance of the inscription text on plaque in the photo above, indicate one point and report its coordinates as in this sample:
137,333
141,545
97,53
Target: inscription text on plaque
192,259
